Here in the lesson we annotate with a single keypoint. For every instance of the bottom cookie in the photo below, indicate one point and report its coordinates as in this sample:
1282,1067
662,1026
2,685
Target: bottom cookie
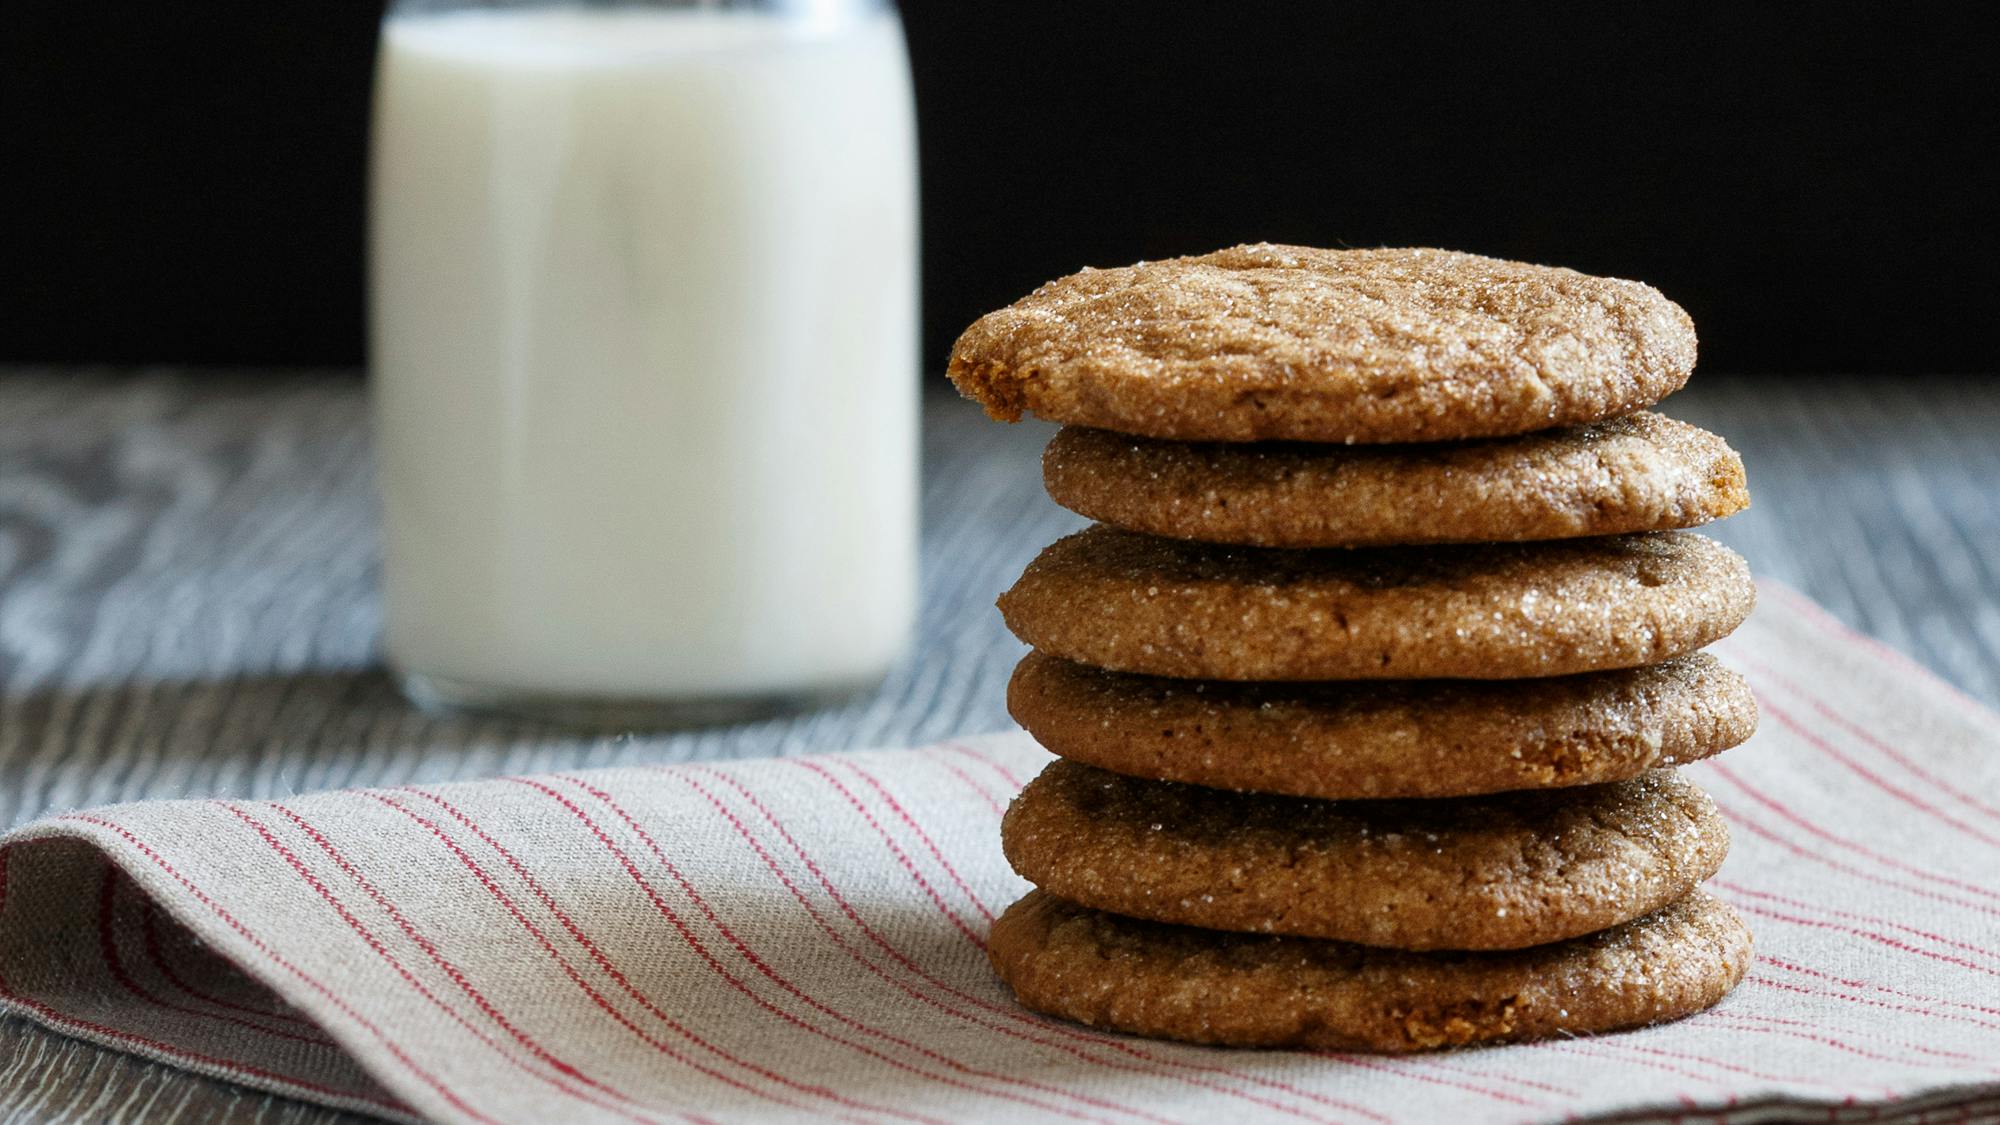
1203,986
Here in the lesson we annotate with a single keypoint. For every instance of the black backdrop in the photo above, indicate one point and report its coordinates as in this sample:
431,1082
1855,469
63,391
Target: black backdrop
182,181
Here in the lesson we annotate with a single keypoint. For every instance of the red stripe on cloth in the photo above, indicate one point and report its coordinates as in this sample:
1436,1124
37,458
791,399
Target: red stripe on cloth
896,849
1742,819
604,965
1875,779
694,942
1776,1025
1683,1097
1876,1038
194,1060
764,968
547,946
1432,1079
1940,939
1793,967
858,958
156,953
1764,671
842,944
107,947
264,948
1608,1043
1887,1006
930,845
1013,780
1063,1030
1017,1015
381,951
1869,935
1503,1076
1604,1056
1834,626
436,956
56,1017
1603,1053
992,802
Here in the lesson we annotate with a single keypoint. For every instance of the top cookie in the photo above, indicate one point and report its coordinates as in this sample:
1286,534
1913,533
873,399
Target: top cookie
1266,342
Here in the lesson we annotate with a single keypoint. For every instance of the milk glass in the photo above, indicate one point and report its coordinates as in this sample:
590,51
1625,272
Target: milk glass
644,354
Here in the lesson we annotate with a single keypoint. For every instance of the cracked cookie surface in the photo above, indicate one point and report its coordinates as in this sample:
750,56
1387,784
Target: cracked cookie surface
1416,738
1200,986
1138,603
1264,342
1646,472
1495,872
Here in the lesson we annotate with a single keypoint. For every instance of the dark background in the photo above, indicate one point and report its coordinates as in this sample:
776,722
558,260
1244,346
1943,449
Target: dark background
183,181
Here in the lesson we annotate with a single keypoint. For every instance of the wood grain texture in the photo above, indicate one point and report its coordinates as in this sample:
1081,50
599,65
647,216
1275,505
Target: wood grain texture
187,606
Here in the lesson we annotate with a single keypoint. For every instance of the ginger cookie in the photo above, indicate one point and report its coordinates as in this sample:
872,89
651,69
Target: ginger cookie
1502,871
1645,472
1139,603
1414,738
1200,986
1263,342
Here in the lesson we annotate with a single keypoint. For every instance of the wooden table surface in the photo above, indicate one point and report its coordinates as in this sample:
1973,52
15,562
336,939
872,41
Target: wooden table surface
187,607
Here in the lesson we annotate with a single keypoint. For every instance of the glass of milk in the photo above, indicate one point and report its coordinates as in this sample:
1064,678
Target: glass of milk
644,354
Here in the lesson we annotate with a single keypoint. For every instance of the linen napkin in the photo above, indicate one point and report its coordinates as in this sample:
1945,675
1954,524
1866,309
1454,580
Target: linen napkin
803,939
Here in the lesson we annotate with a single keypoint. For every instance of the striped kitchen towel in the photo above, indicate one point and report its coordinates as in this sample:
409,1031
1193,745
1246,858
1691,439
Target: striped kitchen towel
802,938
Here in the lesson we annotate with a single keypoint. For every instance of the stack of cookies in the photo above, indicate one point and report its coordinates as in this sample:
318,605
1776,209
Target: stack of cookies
1368,682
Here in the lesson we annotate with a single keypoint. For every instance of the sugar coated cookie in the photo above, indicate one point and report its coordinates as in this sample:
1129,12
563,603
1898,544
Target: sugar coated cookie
1201,986
1290,343
1139,603
1496,872
1414,738
1646,472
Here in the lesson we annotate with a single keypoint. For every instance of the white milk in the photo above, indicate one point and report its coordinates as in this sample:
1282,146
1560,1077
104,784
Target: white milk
644,351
